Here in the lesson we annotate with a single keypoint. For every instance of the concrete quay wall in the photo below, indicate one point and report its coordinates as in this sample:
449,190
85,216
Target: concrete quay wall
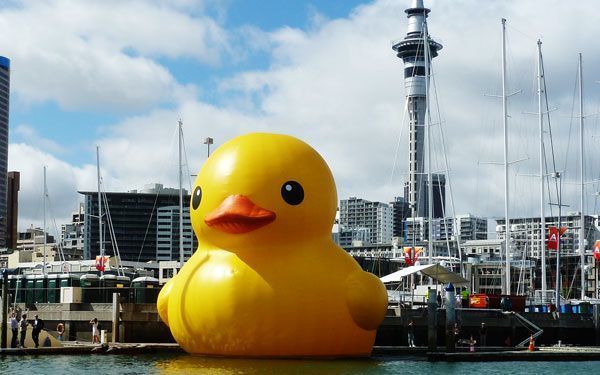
137,323
570,329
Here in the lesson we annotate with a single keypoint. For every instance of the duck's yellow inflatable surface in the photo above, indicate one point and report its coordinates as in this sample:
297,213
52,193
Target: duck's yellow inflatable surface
267,280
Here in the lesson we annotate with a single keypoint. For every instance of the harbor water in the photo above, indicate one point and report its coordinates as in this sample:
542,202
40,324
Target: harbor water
187,364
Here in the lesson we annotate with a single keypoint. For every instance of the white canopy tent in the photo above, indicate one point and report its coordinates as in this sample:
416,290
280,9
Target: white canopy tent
434,271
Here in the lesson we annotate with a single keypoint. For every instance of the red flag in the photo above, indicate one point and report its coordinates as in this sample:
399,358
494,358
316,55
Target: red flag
597,250
408,259
553,237
101,262
411,255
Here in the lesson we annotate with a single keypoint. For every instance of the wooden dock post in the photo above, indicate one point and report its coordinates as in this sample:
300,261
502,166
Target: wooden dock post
432,321
450,317
115,317
597,323
3,326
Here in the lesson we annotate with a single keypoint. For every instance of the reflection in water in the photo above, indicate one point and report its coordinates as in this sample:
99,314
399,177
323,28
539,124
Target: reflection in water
189,363
163,363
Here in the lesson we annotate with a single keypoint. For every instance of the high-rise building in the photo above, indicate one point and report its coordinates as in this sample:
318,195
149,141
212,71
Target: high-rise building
438,194
525,233
12,209
72,235
4,106
167,234
401,212
412,52
468,227
133,216
378,217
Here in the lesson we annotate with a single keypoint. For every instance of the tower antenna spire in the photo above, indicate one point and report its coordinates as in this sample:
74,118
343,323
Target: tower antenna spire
416,51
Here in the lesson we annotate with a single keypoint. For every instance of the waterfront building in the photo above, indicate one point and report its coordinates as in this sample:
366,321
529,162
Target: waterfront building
4,109
353,237
12,209
471,227
134,220
525,233
167,234
10,258
483,249
72,235
525,242
30,245
33,239
360,215
81,267
411,51
488,275
468,227
167,269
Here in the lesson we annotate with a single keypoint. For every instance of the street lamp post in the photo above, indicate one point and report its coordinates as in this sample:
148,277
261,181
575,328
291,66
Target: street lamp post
208,141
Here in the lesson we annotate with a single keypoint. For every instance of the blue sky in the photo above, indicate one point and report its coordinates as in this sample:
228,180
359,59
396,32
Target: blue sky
56,124
119,74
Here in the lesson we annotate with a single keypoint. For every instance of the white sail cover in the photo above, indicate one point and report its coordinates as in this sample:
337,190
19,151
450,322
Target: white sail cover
434,271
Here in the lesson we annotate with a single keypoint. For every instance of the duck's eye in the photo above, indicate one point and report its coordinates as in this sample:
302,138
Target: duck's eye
292,193
196,197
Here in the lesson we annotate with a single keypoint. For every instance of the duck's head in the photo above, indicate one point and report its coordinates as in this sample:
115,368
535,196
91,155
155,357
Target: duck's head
263,188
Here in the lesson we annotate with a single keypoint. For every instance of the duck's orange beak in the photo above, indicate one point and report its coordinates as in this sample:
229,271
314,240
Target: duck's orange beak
238,214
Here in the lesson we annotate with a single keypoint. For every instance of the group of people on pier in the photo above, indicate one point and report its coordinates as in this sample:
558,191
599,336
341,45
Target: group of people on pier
18,324
19,329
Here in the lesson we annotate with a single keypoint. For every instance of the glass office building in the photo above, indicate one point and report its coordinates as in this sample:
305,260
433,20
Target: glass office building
4,104
134,218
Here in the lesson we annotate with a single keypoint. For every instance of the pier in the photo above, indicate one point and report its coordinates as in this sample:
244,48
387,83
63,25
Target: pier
579,329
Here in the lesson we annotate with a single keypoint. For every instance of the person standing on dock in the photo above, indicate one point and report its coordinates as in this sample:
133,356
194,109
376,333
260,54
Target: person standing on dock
456,332
411,334
23,327
38,325
439,299
483,335
14,327
95,332
60,330
465,298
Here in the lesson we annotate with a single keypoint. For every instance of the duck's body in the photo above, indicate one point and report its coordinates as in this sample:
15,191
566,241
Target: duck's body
275,294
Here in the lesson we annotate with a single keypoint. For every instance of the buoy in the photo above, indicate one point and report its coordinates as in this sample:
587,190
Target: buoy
531,344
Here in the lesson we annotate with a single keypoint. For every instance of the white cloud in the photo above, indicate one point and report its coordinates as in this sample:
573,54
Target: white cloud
63,181
339,86
34,139
101,55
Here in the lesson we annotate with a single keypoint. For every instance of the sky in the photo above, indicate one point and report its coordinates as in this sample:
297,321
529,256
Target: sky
120,74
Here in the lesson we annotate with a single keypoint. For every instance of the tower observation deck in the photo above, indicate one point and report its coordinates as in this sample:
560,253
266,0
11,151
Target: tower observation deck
412,52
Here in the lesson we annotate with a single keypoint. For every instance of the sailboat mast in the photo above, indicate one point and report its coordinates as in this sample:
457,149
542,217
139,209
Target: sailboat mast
427,123
181,257
505,126
557,175
582,189
542,174
44,230
101,239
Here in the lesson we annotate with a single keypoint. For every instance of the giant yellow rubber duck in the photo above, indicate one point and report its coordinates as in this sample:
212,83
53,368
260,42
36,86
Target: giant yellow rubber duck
267,280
